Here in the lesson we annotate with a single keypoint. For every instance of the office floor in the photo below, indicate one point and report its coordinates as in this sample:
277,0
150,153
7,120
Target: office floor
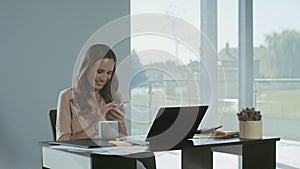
288,153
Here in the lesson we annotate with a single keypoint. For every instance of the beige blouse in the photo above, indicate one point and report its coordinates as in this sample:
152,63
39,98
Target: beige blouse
68,122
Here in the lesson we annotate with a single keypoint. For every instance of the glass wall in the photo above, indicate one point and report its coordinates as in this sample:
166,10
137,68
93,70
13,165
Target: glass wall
277,75
165,65
229,61
276,61
276,72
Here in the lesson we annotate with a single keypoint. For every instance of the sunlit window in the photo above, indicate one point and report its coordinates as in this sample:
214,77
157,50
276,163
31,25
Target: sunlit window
229,60
277,79
165,66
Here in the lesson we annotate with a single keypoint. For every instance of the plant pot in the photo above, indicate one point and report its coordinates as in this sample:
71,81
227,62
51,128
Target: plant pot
250,129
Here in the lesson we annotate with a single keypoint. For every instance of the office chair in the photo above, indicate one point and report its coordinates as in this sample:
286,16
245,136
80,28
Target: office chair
52,115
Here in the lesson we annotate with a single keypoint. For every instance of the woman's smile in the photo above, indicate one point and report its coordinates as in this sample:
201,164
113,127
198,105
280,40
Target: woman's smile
100,82
103,73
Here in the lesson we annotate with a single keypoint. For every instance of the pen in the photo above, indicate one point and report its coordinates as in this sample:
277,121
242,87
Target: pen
207,130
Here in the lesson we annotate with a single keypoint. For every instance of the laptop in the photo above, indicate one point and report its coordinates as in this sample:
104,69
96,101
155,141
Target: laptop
172,126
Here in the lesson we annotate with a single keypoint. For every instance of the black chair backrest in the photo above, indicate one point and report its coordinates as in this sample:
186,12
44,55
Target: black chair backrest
52,115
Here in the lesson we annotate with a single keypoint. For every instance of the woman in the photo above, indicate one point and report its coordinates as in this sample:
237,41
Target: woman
91,99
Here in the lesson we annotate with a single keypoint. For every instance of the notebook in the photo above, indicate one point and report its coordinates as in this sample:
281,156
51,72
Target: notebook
83,143
172,126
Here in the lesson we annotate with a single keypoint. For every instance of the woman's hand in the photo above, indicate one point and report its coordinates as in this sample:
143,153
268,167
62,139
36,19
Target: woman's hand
106,108
115,114
112,111
118,115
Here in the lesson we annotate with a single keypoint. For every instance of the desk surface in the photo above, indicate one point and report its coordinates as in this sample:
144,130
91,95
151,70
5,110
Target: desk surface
229,141
202,142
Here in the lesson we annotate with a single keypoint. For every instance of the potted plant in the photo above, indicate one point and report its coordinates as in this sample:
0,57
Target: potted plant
250,123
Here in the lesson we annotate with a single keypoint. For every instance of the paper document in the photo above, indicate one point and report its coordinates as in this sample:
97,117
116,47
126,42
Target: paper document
122,150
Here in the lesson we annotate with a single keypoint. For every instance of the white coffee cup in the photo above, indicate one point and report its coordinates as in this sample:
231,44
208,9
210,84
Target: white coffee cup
108,130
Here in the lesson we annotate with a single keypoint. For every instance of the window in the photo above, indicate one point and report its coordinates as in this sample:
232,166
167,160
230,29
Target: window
162,72
277,76
229,61
276,61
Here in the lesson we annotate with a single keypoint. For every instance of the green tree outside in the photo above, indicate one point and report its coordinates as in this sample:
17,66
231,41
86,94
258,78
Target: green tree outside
282,59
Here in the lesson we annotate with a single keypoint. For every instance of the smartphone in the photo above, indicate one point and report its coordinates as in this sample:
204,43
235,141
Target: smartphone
122,103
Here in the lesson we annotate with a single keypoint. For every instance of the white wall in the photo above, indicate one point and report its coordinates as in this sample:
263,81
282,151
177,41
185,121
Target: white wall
39,44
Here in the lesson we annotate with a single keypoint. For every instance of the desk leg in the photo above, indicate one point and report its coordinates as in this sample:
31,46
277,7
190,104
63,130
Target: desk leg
197,158
112,162
259,156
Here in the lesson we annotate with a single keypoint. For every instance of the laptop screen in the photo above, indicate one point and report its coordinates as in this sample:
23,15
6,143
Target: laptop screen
173,125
